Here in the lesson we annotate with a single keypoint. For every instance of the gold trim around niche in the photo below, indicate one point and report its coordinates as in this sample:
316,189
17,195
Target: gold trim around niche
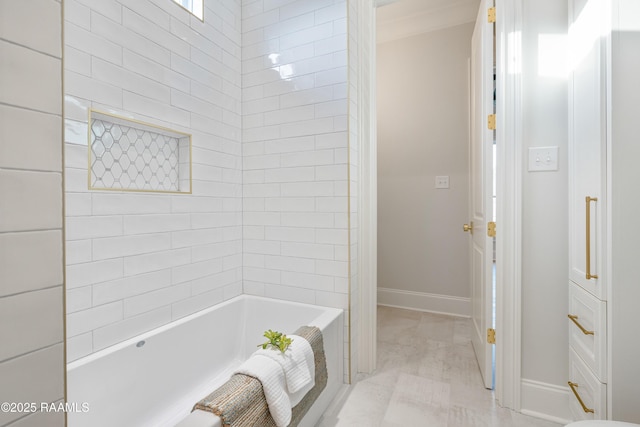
122,120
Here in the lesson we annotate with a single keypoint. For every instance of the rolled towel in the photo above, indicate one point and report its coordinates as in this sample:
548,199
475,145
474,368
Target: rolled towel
271,375
297,363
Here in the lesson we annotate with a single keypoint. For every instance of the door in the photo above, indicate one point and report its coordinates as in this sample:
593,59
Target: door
587,136
481,191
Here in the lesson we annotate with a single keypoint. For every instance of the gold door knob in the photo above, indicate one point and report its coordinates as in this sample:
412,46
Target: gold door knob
468,227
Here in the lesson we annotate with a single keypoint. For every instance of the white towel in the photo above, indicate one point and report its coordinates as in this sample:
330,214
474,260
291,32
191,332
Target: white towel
298,365
271,375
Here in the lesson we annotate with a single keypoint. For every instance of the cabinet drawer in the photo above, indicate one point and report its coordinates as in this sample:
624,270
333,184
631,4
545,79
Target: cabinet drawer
592,392
588,329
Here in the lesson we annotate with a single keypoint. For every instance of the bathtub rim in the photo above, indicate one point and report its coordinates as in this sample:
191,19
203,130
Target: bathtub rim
321,321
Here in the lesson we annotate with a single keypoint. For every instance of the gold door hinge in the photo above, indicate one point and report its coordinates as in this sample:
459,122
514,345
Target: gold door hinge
491,336
491,15
491,229
491,121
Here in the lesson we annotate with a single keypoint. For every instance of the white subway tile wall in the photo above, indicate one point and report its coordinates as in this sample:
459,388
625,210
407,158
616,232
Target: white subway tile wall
136,261
264,88
31,237
295,168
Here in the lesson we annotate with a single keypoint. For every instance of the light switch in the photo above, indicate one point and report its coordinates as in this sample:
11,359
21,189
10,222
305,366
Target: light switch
543,159
442,181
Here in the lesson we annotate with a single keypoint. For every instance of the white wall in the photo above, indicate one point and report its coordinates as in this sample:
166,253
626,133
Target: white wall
295,151
544,211
625,292
136,261
31,243
423,128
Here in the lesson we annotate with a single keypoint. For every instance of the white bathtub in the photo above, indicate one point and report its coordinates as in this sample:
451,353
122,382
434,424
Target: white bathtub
155,378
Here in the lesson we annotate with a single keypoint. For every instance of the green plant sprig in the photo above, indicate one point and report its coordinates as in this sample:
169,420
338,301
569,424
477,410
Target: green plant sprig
276,340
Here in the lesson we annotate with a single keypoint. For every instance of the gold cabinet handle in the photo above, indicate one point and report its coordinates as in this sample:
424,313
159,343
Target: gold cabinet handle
468,227
574,389
574,319
588,274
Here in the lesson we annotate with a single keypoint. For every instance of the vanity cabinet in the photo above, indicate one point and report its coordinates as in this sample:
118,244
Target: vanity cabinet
604,194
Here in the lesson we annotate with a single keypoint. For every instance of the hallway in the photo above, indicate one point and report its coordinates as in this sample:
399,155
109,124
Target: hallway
426,376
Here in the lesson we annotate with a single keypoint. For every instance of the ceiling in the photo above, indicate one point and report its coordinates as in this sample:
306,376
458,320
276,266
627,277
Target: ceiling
397,19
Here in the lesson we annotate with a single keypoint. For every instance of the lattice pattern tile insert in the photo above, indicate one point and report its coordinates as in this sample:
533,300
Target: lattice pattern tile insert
132,156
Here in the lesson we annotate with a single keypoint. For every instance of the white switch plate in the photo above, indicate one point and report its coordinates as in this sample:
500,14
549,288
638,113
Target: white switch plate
543,159
442,181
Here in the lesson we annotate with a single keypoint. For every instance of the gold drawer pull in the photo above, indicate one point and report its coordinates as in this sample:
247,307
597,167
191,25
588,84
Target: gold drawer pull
574,387
588,274
574,319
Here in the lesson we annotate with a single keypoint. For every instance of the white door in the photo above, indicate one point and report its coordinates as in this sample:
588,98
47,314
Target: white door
587,133
481,191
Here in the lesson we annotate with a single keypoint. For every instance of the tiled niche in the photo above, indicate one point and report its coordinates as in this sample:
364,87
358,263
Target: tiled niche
128,155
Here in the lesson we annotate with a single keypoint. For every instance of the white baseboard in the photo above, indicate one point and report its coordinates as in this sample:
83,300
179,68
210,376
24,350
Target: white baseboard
546,401
434,303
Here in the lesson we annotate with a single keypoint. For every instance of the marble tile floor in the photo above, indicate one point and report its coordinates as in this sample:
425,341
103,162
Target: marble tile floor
427,375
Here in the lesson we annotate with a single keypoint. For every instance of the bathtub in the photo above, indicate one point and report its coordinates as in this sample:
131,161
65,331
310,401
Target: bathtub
154,379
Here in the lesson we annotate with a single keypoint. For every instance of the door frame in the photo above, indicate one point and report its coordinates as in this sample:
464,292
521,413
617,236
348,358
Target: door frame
509,160
509,207
367,297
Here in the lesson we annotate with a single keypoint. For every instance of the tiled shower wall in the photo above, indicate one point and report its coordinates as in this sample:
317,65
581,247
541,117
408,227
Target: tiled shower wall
31,238
269,216
295,151
139,260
